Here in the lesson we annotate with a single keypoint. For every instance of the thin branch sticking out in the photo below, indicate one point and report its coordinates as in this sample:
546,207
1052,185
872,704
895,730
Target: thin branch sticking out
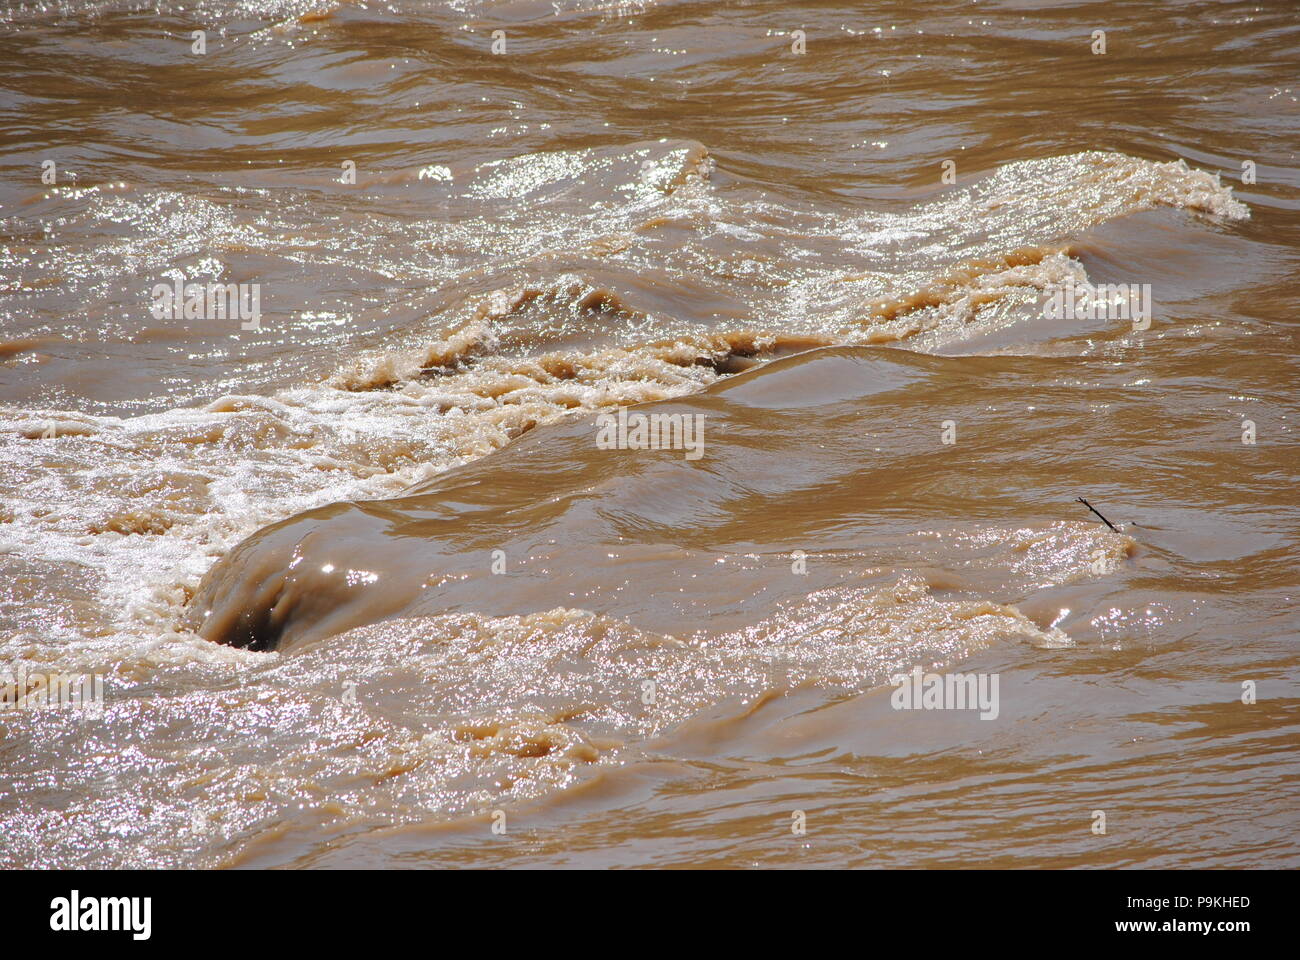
1096,511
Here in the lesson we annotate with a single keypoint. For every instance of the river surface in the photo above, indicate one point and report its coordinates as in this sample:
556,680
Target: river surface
363,581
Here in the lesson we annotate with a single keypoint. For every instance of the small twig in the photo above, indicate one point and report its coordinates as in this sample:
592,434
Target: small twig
1096,511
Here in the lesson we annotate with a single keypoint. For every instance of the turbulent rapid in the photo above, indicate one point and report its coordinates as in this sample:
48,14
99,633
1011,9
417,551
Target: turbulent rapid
361,576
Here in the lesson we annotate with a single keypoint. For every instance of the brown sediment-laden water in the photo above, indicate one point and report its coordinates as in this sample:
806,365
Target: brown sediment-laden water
612,434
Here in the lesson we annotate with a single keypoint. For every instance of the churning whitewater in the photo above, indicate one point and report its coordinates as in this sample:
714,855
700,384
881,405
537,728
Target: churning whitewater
590,451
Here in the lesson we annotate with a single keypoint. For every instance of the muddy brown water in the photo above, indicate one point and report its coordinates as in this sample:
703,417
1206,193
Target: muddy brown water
481,614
